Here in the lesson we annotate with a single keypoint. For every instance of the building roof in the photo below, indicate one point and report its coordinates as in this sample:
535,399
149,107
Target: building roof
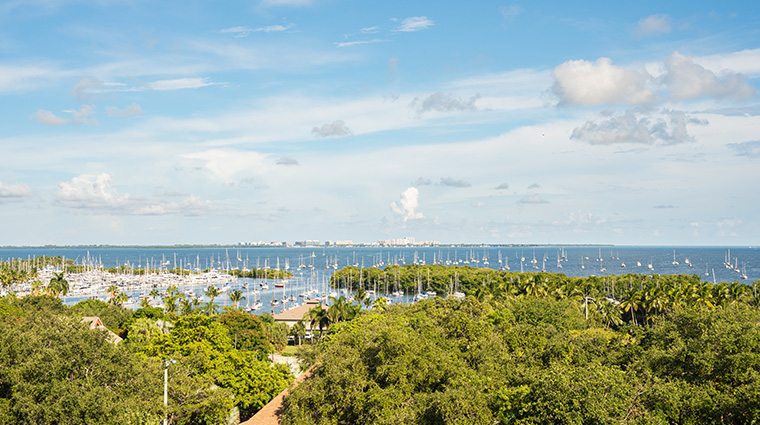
296,313
95,323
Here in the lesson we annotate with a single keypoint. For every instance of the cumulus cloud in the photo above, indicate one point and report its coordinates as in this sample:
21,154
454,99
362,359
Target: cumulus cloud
90,191
81,116
230,165
633,126
448,181
579,82
415,23
337,128
407,206
441,102
286,160
534,186
13,191
95,193
533,199
749,149
688,80
503,186
131,110
654,24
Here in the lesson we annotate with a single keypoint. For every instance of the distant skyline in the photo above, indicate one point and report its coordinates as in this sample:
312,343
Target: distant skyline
128,122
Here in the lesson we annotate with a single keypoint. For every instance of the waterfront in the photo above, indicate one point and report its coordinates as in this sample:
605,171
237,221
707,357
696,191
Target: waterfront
312,267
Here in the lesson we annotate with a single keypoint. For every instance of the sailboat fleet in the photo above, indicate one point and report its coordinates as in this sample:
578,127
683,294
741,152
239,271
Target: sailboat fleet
140,276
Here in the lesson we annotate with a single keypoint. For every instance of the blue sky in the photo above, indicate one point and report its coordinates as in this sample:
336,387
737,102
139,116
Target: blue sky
136,122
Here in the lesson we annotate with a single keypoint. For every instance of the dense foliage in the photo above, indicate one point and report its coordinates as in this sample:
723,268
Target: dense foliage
532,359
55,370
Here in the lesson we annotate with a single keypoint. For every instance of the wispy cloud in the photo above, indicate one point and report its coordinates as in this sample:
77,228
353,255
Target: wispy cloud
336,128
653,24
510,12
442,102
451,182
286,160
241,31
749,149
360,42
83,115
533,199
416,23
502,186
130,110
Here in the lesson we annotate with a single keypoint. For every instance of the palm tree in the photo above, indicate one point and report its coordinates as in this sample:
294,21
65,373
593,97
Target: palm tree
319,317
380,304
58,285
144,303
211,292
360,295
631,302
112,291
121,298
609,312
298,331
236,296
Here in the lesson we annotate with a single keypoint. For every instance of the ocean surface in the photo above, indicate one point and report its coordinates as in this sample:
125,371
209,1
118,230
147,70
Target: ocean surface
316,263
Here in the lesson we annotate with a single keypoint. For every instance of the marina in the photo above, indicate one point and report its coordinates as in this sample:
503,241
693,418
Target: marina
311,268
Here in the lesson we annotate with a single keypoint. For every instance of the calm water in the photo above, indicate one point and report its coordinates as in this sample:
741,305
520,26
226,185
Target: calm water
574,261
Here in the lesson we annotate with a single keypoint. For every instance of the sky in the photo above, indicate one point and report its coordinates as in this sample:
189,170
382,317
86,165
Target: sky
174,122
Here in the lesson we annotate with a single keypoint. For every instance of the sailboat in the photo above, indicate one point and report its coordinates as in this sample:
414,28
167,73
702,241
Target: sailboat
675,263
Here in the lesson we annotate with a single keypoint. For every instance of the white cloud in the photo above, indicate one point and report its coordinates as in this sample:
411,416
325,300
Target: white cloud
688,80
90,191
49,118
132,109
407,205
337,128
179,83
441,102
451,182
360,42
81,116
633,126
370,30
653,24
21,77
579,82
286,160
95,193
502,186
241,31
13,191
509,12
533,199
85,87
416,23
228,165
